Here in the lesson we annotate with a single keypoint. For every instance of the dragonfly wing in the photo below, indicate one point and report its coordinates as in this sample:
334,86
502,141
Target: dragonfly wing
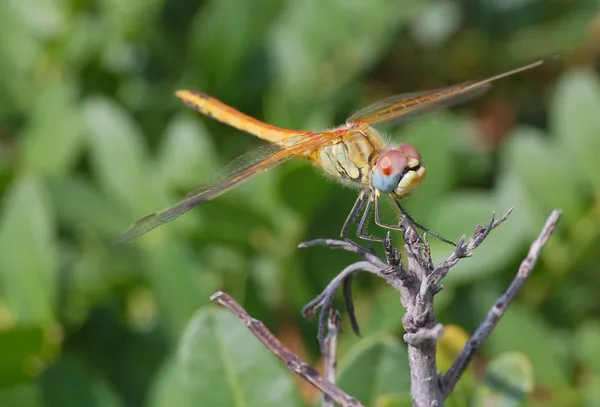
240,169
409,105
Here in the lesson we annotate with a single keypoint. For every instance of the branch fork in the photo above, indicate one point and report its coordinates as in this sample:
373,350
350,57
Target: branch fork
417,284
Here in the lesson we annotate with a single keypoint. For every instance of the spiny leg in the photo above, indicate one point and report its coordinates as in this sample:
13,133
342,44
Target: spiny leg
353,217
361,231
378,220
417,224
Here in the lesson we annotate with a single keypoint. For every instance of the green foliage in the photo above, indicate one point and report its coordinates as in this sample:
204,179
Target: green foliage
508,379
374,369
92,138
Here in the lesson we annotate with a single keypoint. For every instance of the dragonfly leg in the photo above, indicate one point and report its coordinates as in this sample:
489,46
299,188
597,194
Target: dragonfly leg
410,219
353,215
378,221
362,226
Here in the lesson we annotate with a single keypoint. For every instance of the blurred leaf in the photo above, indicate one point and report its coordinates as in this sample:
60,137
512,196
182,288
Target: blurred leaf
225,33
295,179
450,345
44,18
378,312
555,36
533,158
83,40
119,157
374,367
585,346
26,346
29,260
168,389
394,400
437,23
448,349
309,60
508,380
460,212
80,205
26,395
54,137
181,283
19,52
591,392
222,364
130,18
436,137
575,121
520,330
70,383
187,154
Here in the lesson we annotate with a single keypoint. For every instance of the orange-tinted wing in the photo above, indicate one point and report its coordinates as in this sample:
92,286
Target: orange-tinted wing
240,169
409,105
218,110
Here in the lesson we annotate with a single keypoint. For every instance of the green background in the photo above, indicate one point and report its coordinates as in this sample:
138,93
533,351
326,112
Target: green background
92,138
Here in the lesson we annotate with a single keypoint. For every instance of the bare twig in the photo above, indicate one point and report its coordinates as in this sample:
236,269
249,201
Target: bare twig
417,285
330,351
493,317
325,299
344,245
303,369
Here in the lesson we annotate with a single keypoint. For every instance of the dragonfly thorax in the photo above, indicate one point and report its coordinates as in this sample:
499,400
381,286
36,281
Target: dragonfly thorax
398,170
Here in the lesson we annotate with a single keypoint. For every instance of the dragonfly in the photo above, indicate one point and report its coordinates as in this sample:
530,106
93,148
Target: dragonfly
354,153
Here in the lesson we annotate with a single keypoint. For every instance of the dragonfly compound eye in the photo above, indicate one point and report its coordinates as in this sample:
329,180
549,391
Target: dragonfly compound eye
389,169
410,151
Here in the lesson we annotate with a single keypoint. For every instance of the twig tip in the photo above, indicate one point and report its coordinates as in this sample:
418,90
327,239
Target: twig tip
217,295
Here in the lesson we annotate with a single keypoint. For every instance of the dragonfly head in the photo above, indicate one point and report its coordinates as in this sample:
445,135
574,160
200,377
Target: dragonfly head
399,170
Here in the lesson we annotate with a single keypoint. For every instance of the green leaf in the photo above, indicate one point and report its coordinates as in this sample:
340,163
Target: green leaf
436,138
520,330
222,364
457,215
71,383
507,382
130,18
19,58
531,155
167,388
575,121
180,282
590,392
27,348
54,137
44,18
585,346
80,205
187,154
394,400
26,395
120,159
533,158
376,366
29,260
225,33
309,61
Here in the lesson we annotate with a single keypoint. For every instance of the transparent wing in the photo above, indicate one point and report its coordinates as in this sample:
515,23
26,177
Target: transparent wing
409,105
240,169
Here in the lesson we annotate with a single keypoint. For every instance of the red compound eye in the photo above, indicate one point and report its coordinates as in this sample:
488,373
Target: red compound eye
392,162
410,151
